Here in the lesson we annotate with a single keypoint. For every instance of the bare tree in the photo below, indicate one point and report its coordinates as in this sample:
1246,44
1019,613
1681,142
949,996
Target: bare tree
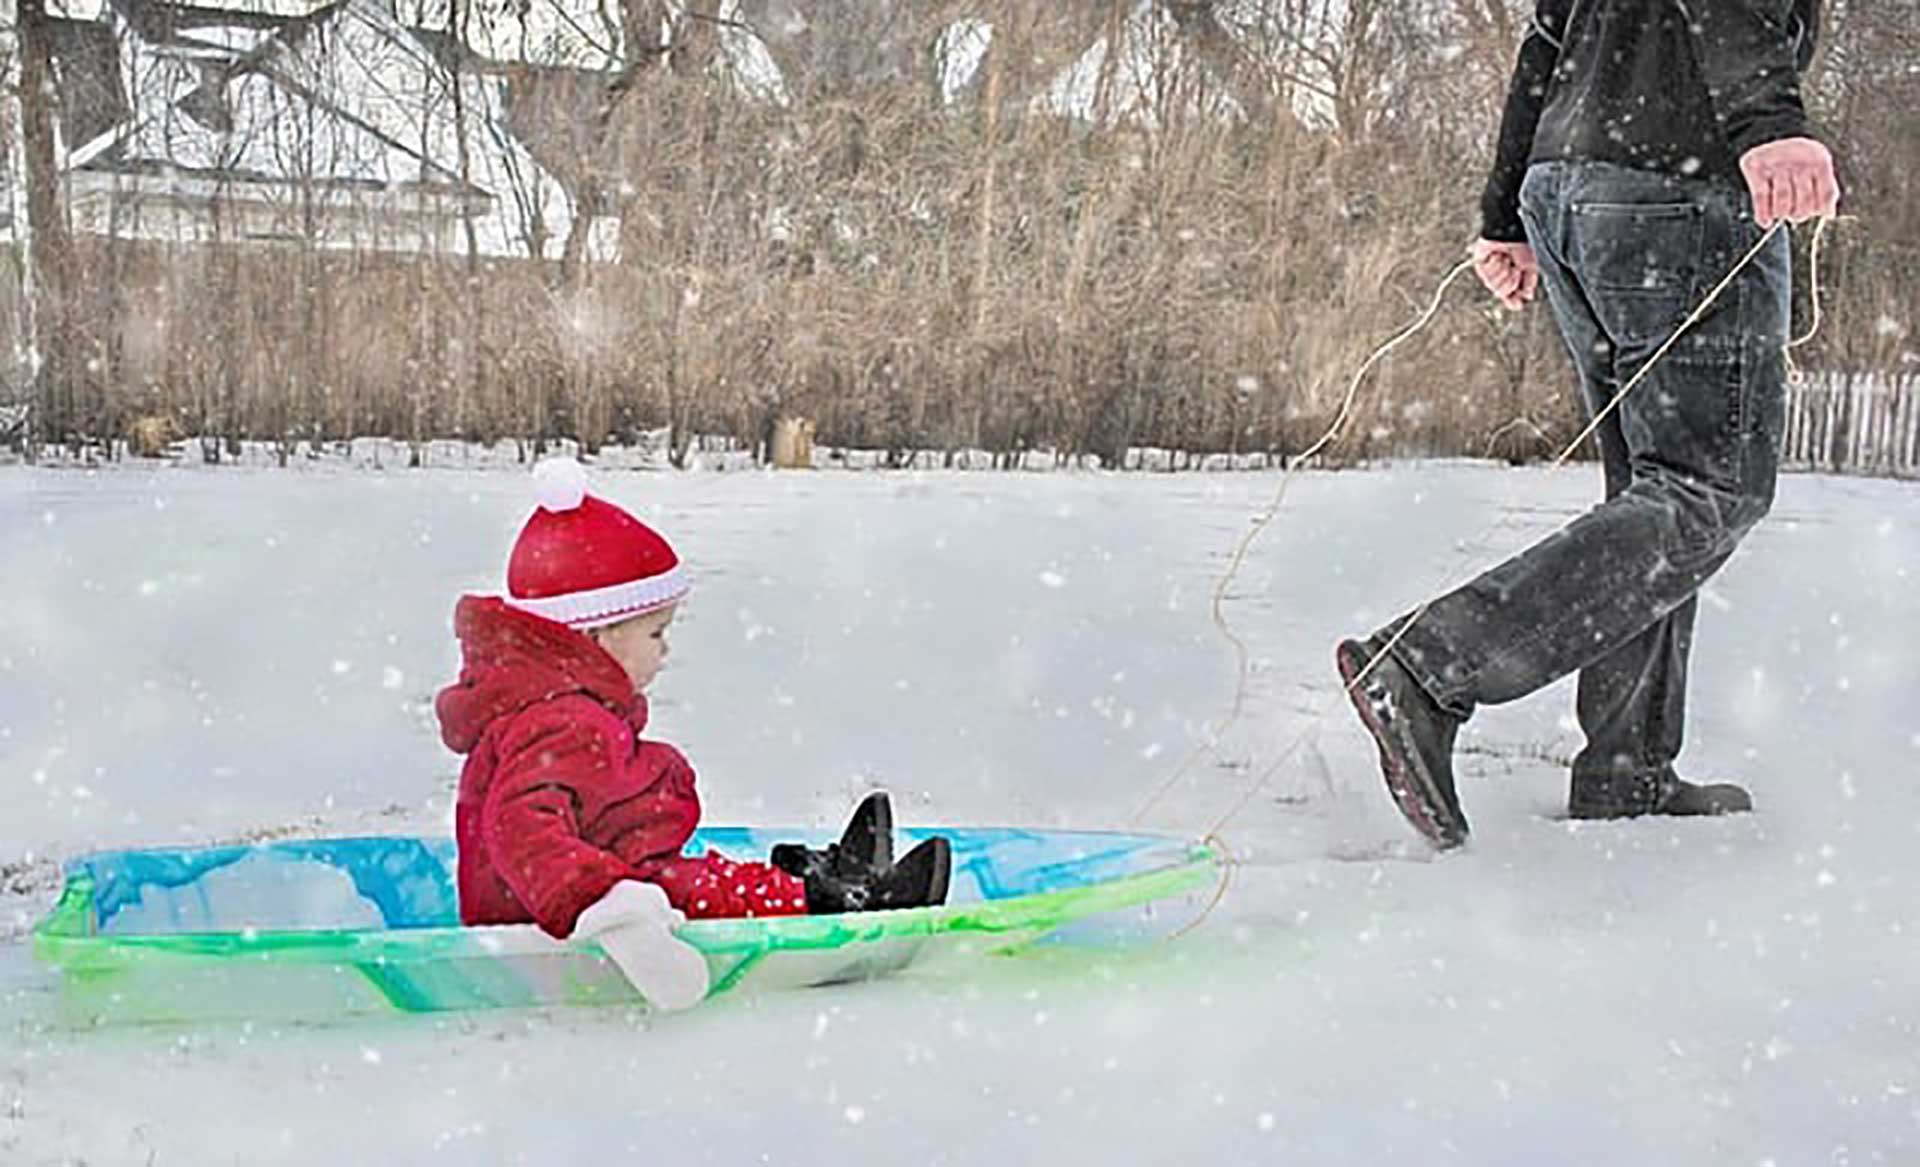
17,412
1085,226
46,254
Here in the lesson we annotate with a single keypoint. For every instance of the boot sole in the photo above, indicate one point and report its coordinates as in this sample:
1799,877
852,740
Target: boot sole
1413,789
1596,813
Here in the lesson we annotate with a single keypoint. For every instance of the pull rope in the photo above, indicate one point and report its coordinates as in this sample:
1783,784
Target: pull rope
1213,835
1794,373
1217,608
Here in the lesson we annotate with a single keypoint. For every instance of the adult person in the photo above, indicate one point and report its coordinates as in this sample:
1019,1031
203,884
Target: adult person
1646,146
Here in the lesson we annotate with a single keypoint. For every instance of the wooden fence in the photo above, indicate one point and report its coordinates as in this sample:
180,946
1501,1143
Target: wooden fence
1854,424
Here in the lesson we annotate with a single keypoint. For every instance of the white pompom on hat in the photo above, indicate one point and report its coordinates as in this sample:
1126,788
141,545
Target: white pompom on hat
560,484
583,562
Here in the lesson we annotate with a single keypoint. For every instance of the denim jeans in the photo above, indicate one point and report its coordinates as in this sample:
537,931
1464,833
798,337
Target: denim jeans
1689,459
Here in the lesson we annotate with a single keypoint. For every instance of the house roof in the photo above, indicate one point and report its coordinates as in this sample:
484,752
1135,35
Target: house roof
552,111
199,69
345,101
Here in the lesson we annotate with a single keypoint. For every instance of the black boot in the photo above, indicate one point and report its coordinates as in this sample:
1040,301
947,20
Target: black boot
919,880
1661,792
858,873
1690,798
866,844
1415,738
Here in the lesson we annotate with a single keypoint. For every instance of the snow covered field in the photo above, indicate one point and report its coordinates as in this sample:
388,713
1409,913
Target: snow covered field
188,656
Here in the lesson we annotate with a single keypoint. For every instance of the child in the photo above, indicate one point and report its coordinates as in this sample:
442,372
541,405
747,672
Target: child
566,818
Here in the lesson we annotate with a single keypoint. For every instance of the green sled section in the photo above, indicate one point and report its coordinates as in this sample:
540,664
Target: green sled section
321,928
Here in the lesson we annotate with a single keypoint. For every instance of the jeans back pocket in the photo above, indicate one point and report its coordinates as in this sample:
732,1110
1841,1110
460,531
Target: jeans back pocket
1638,262
1638,247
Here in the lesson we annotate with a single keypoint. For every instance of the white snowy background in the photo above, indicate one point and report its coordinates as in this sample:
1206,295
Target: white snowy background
189,656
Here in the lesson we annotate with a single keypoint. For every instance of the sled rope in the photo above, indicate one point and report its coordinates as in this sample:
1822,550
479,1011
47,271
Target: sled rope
1227,864
1238,557
1262,521
1794,373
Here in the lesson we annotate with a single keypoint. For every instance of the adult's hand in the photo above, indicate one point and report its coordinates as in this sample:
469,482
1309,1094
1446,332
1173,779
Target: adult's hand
1509,271
1791,179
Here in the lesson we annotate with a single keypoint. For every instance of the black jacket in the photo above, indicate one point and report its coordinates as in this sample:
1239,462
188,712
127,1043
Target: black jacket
1681,86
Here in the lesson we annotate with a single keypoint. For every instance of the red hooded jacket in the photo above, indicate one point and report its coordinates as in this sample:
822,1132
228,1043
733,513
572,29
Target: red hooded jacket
559,798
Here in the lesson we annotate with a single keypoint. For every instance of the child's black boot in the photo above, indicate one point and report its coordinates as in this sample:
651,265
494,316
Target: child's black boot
867,843
919,880
858,874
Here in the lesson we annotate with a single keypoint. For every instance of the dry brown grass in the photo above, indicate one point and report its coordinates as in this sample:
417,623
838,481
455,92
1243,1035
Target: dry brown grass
910,276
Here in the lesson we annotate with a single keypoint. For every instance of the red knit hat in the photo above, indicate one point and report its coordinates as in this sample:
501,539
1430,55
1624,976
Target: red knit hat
585,563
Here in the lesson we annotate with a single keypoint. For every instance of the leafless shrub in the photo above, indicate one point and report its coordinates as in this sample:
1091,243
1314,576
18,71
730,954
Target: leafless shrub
1200,265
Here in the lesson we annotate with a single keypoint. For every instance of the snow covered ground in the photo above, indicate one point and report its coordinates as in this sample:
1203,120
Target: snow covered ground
191,655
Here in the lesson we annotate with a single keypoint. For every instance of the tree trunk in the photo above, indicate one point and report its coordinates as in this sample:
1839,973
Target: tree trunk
46,258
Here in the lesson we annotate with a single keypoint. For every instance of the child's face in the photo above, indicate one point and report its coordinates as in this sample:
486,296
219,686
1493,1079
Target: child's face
639,644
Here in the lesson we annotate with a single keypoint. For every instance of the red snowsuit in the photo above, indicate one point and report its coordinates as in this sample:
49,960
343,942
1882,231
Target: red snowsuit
559,798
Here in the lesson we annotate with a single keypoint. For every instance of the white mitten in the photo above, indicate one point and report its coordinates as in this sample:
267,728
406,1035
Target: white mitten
633,924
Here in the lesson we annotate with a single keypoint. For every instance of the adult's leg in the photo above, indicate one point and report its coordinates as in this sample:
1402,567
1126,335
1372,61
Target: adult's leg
1625,256
1414,734
1632,702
